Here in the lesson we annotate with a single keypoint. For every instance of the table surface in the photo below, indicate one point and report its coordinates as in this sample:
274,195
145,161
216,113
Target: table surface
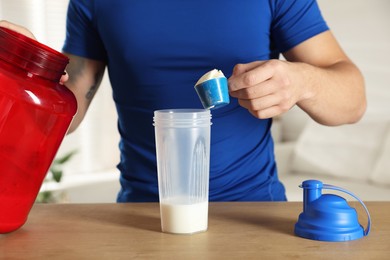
237,230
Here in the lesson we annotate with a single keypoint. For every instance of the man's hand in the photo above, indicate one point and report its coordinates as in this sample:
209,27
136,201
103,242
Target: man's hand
265,88
317,76
17,28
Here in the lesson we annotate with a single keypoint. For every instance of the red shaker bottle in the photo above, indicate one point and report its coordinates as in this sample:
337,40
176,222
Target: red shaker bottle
35,114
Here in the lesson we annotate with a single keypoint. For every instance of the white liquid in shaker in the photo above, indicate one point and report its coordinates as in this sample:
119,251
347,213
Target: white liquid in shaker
184,218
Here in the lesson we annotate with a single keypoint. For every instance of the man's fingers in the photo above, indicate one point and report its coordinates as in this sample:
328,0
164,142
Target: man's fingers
64,78
242,68
16,28
249,75
260,90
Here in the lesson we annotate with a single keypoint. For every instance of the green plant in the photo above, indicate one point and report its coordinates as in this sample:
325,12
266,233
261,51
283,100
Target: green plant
55,174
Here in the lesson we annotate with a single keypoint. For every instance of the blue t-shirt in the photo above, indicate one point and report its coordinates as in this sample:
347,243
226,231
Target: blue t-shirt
156,50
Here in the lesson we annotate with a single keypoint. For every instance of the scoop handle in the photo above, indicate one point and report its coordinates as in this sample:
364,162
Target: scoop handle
331,187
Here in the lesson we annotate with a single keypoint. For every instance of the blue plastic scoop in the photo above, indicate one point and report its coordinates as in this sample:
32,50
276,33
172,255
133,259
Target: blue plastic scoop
212,89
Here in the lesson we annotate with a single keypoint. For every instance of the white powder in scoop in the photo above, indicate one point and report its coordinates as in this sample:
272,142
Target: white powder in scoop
212,74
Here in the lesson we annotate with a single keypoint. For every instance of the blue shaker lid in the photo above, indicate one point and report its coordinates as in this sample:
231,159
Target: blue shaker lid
328,217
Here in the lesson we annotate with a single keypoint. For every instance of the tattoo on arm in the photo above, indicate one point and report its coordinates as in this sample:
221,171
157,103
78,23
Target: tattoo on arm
76,69
93,89
91,93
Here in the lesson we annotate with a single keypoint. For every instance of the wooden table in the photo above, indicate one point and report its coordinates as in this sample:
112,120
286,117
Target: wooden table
260,230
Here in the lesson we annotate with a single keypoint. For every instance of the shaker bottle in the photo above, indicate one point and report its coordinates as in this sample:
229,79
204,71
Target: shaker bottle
183,164
35,113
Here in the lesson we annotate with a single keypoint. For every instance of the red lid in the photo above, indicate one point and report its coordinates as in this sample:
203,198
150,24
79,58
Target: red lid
32,56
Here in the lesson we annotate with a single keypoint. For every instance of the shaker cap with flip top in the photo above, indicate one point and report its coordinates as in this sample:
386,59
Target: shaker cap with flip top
328,217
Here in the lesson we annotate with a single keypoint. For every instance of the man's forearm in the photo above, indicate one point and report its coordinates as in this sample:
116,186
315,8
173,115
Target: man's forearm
85,76
333,95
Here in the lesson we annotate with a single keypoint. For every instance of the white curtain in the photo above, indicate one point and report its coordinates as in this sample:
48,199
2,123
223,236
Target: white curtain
96,140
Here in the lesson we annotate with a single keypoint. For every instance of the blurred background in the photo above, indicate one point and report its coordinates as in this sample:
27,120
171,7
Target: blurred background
352,156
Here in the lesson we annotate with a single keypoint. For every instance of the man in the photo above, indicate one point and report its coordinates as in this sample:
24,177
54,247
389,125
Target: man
156,50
